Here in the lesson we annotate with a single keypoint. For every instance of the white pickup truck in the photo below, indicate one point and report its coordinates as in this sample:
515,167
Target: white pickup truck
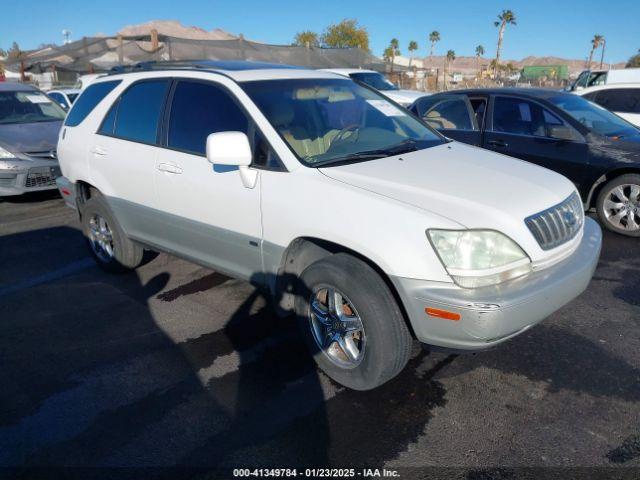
370,226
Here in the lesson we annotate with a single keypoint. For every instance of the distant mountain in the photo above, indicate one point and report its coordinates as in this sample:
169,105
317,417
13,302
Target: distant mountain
469,64
176,29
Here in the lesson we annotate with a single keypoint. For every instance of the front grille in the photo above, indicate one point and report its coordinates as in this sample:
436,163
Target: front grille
44,154
558,224
41,177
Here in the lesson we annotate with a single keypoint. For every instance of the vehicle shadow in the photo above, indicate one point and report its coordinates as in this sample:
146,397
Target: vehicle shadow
98,372
622,254
32,197
92,377
288,414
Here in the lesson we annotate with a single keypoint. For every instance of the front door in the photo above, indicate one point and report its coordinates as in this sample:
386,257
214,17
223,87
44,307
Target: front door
210,216
525,129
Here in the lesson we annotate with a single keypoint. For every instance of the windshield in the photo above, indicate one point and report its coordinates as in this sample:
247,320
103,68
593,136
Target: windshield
375,80
28,107
331,121
589,79
594,117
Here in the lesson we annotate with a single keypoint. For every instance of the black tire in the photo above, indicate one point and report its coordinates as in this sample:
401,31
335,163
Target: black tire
627,179
388,341
127,255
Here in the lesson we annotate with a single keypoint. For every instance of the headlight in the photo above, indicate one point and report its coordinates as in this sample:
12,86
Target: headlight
6,154
477,258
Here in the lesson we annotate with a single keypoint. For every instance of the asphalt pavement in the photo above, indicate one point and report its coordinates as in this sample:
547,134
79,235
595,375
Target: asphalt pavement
179,366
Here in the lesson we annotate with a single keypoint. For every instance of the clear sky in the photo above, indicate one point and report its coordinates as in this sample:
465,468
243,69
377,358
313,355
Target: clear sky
545,27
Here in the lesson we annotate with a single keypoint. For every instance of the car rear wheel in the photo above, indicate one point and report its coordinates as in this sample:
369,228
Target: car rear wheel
618,205
108,244
351,322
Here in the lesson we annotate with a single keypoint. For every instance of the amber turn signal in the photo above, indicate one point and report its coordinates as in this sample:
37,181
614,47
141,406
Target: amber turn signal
436,312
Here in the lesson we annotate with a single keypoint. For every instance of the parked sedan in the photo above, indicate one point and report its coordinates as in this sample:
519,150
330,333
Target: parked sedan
597,150
29,126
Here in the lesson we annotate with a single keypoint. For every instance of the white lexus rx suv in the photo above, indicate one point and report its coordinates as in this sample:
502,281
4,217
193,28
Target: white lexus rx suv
367,224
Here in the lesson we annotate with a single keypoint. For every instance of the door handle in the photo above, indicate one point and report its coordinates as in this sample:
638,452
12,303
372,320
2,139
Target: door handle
498,143
167,167
98,151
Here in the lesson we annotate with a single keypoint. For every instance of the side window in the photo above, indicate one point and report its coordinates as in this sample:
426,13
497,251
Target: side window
139,110
452,113
263,154
88,100
109,122
522,117
199,109
597,78
624,100
479,106
513,115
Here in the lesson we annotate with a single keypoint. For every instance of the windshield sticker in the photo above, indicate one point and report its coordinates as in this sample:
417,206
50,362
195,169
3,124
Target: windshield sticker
386,108
37,98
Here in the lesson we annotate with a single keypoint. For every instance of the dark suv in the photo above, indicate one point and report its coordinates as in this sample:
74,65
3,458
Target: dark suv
596,149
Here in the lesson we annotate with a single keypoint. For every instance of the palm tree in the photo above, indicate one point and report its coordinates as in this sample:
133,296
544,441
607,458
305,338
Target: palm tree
451,56
507,17
413,46
604,43
434,37
387,55
392,51
479,53
595,43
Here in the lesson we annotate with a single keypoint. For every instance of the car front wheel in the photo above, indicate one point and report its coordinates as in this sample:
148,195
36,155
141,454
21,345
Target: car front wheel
618,205
352,322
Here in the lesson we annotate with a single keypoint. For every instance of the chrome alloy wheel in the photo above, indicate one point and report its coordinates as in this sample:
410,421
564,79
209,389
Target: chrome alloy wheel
101,238
622,207
336,327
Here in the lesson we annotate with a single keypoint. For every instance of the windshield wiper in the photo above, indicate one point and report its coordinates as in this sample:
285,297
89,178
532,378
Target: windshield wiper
352,157
405,146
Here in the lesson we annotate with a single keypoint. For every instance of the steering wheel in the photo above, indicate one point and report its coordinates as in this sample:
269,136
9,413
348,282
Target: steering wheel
349,128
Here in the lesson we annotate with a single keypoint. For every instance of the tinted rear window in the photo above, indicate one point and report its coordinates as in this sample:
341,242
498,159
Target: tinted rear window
88,101
139,111
624,100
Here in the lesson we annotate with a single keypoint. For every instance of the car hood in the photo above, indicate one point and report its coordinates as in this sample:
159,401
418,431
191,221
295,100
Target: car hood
404,97
29,137
473,187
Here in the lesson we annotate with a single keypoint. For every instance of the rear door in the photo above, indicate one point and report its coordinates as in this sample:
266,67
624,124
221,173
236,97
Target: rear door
524,128
123,156
451,115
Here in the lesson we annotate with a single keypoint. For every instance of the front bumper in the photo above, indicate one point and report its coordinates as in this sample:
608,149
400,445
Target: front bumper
491,315
33,177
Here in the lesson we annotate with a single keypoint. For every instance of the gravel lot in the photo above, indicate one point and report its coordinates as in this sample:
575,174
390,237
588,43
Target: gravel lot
179,365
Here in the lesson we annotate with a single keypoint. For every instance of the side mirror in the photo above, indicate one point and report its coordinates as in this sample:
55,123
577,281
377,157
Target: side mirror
561,132
229,148
232,149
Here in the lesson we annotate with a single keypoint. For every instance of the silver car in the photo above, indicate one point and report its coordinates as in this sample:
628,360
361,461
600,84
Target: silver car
29,127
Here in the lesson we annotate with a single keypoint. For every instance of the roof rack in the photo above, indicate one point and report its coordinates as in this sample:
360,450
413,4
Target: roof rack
234,65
